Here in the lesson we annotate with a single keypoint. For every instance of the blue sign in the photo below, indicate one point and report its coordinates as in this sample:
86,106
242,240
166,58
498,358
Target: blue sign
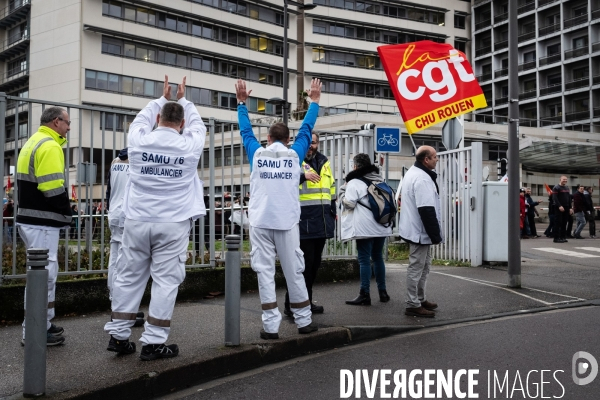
387,139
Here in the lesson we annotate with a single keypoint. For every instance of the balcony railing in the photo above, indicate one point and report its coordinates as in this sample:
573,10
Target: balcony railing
484,77
549,29
483,24
14,7
523,8
483,50
597,112
577,115
582,51
500,72
527,65
580,19
528,94
544,2
577,83
595,13
596,80
532,123
501,100
550,59
526,36
478,2
552,120
500,18
503,44
550,89
595,47
14,74
14,40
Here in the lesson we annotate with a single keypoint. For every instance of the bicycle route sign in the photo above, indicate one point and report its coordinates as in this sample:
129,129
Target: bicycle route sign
387,139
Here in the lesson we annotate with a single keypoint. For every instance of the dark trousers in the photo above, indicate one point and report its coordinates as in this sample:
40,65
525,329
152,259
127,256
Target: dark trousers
551,229
569,224
591,223
561,223
531,219
312,249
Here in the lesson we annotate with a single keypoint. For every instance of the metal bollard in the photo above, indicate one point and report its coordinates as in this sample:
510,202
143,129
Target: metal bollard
36,300
232,290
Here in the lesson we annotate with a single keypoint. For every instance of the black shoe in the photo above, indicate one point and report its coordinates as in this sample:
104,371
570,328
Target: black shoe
570,236
50,340
564,241
120,346
578,237
55,330
315,309
155,351
308,329
383,296
557,241
139,319
288,312
268,336
363,299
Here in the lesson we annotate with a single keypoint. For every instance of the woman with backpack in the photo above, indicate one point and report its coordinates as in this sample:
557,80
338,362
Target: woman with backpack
358,222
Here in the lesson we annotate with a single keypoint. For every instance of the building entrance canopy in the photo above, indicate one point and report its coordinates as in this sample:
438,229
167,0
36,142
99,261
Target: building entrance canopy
560,157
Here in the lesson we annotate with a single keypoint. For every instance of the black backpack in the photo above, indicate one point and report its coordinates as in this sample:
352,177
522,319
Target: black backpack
381,202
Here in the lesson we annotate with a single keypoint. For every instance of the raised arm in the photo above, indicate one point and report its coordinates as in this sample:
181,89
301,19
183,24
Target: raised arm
304,137
251,144
193,122
146,118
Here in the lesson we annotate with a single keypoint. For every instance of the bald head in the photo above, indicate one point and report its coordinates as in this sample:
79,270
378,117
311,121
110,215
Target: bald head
427,156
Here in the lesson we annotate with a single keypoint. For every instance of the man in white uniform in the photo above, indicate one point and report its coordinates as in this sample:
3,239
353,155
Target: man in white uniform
162,198
115,191
274,211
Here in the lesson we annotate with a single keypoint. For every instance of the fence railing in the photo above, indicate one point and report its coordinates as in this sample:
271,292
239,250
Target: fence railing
13,6
14,40
546,30
550,59
581,51
577,83
523,8
96,136
571,22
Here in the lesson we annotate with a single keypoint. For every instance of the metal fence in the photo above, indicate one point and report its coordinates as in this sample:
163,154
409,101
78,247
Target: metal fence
96,136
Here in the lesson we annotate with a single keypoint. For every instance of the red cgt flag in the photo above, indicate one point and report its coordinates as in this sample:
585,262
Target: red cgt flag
8,185
431,82
548,190
73,194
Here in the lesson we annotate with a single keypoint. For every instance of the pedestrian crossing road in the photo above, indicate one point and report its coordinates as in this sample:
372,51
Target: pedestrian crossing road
581,253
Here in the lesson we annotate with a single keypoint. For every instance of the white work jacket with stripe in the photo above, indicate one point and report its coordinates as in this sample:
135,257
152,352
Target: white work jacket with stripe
119,173
163,183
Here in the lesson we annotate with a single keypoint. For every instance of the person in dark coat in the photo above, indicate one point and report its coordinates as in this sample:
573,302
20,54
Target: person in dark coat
551,229
590,210
562,208
531,212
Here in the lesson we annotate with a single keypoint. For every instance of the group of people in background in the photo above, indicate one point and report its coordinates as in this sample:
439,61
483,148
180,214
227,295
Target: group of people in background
563,206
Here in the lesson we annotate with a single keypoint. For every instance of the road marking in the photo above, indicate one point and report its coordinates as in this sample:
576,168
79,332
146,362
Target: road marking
589,248
566,252
498,286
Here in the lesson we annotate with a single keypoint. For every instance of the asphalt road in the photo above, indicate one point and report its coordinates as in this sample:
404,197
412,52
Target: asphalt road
517,348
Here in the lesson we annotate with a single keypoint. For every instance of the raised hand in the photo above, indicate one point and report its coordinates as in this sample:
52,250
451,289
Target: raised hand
314,93
181,89
240,91
167,88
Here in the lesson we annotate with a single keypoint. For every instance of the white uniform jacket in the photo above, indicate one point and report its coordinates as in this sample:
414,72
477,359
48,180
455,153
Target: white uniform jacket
119,172
358,221
163,181
418,190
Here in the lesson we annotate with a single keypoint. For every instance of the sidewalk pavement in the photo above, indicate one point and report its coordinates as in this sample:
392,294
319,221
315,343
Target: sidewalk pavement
82,368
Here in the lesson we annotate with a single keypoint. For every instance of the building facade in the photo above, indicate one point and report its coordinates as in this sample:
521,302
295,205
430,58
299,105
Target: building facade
559,62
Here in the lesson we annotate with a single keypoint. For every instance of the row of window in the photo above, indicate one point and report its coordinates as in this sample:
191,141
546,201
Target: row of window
393,11
370,34
191,27
128,85
357,89
210,65
16,66
346,59
242,7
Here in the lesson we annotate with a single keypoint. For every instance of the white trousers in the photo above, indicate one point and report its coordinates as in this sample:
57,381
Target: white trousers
43,238
266,243
116,236
148,249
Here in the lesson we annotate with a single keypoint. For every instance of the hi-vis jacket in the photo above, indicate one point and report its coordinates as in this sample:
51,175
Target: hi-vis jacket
43,199
163,183
317,200
275,174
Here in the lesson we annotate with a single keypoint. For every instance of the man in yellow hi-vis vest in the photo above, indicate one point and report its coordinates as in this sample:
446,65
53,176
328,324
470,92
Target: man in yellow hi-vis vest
44,207
317,215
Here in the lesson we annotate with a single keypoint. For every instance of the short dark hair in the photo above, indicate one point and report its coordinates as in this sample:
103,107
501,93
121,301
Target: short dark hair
172,113
422,154
50,114
279,132
361,160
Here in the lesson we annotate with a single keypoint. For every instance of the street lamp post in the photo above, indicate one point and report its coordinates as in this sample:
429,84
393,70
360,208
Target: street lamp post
276,100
